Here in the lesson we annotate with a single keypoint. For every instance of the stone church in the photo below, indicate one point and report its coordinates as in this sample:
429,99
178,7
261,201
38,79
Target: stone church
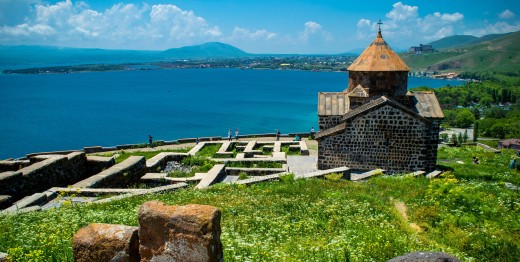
376,122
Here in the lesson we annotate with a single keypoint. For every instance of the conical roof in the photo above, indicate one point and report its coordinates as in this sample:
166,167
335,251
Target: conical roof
378,56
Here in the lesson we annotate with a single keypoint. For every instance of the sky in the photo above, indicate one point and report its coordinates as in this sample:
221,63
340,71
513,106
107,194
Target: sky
255,26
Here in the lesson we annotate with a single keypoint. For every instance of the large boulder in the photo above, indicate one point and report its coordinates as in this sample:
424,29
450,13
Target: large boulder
425,257
105,242
179,233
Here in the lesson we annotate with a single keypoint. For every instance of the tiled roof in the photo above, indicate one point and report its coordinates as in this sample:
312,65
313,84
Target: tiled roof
332,103
426,104
378,56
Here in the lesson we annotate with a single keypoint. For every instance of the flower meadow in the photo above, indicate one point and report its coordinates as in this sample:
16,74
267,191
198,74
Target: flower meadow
468,212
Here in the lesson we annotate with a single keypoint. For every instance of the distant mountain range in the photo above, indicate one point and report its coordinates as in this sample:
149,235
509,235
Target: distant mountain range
21,56
497,52
463,53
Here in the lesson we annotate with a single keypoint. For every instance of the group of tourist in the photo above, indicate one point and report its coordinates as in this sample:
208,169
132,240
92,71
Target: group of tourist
230,134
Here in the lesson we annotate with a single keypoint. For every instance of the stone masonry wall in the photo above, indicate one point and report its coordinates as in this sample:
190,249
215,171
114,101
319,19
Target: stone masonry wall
326,122
51,172
384,138
390,83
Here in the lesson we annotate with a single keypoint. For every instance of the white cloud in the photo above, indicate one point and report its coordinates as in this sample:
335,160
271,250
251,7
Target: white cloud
404,26
363,23
496,28
506,14
120,26
311,28
243,33
449,17
444,31
402,12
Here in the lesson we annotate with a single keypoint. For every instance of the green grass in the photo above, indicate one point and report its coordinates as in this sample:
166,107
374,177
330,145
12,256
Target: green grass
290,151
208,150
470,214
491,143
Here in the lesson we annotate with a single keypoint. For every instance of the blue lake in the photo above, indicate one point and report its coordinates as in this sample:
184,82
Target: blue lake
69,111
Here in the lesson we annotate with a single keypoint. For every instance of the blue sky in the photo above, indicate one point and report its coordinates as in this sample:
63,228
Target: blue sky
255,26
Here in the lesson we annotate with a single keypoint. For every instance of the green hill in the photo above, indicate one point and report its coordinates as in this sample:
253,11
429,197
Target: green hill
207,50
452,41
498,53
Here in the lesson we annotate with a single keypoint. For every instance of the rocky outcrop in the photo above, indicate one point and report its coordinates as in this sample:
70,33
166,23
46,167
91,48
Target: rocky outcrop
179,233
105,242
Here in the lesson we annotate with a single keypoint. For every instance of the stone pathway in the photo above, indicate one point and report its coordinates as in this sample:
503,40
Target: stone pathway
302,164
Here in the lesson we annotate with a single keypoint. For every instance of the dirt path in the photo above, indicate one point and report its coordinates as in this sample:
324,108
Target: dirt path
402,209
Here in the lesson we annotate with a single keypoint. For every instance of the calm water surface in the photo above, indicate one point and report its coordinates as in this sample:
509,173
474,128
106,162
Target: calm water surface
70,111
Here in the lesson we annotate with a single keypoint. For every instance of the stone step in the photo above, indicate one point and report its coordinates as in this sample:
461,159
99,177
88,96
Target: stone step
366,175
433,174
342,170
418,173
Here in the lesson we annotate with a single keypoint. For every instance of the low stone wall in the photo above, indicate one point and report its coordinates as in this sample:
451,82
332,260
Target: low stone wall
161,159
165,233
215,174
38,177
12,165
123,174
96,164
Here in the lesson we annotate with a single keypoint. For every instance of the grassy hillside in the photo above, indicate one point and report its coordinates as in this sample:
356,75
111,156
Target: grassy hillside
500,54
470,213
452,41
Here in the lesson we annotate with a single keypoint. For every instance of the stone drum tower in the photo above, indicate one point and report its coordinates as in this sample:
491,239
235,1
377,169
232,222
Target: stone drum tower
376,122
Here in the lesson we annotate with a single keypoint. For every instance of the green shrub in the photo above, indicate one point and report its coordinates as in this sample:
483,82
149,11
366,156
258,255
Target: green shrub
287,178
243,175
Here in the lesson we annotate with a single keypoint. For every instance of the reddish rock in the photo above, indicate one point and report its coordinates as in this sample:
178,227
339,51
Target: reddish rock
179,233
105,242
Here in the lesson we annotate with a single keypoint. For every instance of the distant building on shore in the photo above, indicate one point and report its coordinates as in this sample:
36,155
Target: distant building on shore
421,49
376,122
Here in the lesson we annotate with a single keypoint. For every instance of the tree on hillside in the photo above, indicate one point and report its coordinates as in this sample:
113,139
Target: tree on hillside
464,118
475,132
454,139
500,130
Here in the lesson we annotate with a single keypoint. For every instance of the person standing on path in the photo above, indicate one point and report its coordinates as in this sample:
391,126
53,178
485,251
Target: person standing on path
312,133
229,134
277,135
150,141
236,134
